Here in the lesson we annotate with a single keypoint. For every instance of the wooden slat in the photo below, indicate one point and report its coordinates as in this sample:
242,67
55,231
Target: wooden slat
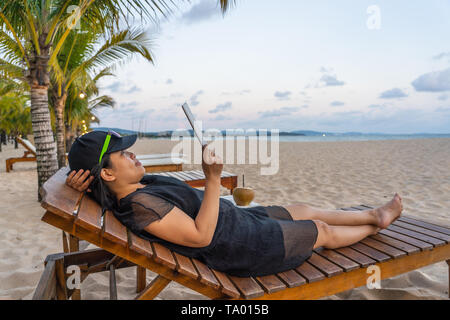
185,176
185,266
226,174
161,174
382,247
374,254
434,241
271,283
114,230
163,255
424,224
327,267
226,284
309,272
196,175
291,278
178,175
247,286
140,245
431,233
412,241
338,259
173,175
419,222
356,256
89,215
59,198
396,243
206,275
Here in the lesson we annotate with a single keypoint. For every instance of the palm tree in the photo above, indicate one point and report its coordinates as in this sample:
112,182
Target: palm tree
15,117
28,30
78,60
32,33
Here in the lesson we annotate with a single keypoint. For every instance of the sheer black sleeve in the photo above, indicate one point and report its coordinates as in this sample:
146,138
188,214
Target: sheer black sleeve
148,208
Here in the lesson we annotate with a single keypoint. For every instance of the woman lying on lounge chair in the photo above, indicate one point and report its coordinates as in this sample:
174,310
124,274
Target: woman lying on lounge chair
251,241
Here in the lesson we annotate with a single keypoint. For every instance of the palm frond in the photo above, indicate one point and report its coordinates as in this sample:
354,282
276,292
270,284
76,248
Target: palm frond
117,50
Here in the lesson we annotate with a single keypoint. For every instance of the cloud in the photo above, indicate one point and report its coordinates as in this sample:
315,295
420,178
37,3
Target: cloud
194,98
204,10
221,117
436,81
328,79
331,80
443,109
133,89
394,93
240,92
115,86
282,95
118,87
176,95
377,106
337,103
278,112
128,104
442,55
221,107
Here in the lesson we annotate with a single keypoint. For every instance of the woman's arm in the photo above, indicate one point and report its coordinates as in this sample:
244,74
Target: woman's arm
178,227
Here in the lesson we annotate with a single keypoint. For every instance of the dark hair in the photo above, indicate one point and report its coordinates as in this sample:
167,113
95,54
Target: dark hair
99,190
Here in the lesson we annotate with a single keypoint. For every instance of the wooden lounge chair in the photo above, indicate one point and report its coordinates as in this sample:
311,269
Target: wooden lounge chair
406,245
28,155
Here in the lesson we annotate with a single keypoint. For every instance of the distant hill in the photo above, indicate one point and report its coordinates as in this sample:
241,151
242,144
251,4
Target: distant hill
168,133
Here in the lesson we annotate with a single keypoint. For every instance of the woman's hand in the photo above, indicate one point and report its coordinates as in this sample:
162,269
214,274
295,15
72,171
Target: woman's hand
212,165
79,181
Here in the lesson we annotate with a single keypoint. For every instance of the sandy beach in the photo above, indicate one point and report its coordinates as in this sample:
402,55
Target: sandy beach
327,175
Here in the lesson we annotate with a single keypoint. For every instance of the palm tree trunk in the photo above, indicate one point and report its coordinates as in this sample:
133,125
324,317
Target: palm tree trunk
60,129
70,137
47,163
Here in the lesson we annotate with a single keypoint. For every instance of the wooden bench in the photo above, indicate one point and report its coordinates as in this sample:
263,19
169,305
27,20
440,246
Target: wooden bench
406,245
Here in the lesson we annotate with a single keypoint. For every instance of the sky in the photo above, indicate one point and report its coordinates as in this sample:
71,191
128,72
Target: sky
324,65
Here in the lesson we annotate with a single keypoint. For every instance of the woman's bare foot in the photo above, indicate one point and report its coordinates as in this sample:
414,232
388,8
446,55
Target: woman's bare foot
389,212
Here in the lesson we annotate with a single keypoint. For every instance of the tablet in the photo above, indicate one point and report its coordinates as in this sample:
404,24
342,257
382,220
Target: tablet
191,119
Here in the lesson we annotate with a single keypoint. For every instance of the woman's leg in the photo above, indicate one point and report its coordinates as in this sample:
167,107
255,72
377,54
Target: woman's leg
380,217
332,237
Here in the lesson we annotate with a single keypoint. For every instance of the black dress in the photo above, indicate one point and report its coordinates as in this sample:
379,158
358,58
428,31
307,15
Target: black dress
253,241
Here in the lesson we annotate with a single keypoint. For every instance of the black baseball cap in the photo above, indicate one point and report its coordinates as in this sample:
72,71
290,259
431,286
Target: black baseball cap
86,149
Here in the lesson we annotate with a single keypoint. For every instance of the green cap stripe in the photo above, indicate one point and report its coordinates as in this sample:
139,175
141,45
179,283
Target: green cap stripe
105,147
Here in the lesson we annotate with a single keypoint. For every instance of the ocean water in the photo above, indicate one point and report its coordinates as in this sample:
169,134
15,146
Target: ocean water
339,137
